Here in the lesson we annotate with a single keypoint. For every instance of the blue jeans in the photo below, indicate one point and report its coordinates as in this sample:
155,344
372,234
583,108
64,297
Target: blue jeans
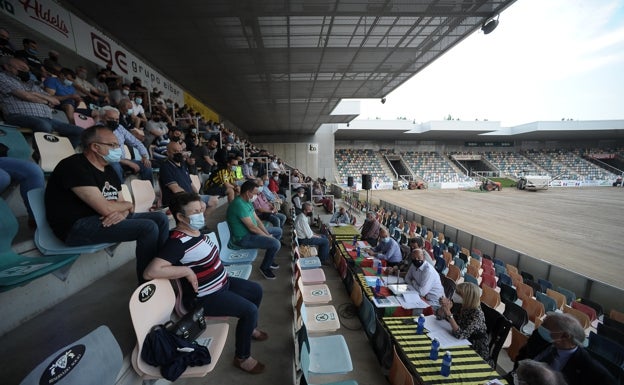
276,219
145,173
47,125
150,230
321,242
240,298
28,174
271,244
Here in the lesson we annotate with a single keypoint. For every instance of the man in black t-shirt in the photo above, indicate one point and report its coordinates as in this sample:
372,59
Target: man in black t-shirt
84,205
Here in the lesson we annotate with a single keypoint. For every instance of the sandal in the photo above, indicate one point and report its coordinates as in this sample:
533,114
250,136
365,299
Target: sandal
249,365
259,335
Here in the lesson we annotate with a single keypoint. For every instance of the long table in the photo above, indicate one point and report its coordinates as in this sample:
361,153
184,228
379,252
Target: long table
467,366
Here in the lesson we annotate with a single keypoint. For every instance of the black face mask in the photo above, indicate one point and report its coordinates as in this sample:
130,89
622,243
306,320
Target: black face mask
178,157
23,75
4,41
417,263
309,214
112,124
102,79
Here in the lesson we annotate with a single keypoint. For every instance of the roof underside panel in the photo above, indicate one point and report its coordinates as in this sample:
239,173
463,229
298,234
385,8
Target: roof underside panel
282,66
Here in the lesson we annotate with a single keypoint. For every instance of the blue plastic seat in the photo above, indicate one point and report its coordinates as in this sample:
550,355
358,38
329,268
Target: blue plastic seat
545,284
45,239
305,368
15,141
239,270
230,256
549,303
607,348
17,270
327,354
569,294
504,279
471,279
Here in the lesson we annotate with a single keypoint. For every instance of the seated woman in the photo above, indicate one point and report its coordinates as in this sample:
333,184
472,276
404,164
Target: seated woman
190,255
318,195
470,321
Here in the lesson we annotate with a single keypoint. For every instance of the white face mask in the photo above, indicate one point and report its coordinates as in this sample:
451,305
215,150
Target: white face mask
457,298
253,198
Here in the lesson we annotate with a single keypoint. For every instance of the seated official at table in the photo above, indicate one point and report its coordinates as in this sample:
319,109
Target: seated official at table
370,229
340,217
387,249
424,279
469,322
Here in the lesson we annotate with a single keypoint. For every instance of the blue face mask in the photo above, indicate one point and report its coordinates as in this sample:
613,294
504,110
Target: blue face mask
386,239
196,221
138,101
266,183
113,156
233,168
260,189
68,82
32,51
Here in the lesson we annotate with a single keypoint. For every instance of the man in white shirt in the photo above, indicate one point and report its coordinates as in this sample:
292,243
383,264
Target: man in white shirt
306,236
424,279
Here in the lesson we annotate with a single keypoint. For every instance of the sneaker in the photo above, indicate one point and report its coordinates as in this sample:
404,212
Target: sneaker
268,274
274,266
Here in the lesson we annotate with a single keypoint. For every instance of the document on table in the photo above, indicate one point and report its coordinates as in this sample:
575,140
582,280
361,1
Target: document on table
389,301
442,331
393,280
363,245
412,300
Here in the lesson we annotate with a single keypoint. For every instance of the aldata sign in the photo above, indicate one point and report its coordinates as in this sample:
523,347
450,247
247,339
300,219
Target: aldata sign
62,26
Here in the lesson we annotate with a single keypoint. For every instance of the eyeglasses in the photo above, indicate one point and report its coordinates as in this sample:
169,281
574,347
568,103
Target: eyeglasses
112,145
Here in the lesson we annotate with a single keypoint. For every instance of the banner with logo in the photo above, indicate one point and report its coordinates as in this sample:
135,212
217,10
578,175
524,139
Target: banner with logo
198,106
46,17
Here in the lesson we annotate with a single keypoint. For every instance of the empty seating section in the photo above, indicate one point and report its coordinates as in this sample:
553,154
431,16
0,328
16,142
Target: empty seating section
357,162
510,163
432,167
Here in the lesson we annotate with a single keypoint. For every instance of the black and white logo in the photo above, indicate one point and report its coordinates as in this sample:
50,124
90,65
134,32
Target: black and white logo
147,292
62,365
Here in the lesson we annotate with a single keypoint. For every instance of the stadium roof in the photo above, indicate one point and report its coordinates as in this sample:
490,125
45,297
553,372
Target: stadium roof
276,67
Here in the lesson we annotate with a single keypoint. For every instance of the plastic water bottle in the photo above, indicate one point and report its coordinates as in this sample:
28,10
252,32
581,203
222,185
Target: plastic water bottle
435,347
421,324
354,240
358,251
446,364
377,285
379,268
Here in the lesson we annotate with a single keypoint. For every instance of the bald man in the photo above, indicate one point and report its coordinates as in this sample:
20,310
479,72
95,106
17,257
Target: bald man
174,178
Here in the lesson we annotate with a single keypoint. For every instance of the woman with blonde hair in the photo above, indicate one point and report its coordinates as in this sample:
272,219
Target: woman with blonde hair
469,322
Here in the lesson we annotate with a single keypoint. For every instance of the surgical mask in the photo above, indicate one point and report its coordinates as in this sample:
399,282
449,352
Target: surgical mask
68,82
178,157
138,101
266,183
250,163
300,195
417,263
23,75
196,221
261,188
113,156
456,298
112,124
253,198
194,130
233,168
276,178
130,111
228,148
386,239
32,51
125,92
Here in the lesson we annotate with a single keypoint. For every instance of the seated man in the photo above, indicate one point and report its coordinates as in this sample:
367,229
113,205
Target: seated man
387,249
110,116
424,279
305,235
24,104
223,182
274,186
174,179
248,171
265,210
190,255
84,205
206,155
566,353
247,230
61,87
370,229
340,217
419,243
297,200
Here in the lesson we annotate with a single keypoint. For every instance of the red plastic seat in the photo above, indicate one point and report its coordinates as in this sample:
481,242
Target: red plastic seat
489,280
590,311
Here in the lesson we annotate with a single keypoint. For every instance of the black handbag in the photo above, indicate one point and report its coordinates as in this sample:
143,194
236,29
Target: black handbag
190,326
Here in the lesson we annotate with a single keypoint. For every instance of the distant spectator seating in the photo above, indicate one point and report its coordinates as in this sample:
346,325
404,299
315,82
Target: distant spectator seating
432,167
357,162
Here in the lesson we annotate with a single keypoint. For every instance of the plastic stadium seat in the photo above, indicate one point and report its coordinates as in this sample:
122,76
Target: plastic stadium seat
469,278
569,294
52,149
152,304
15,269
59,115
453,273
313,294
590,311
490,297
399,374
607,348
230,256
324,355
382,346
143,194
497,329
516,314
545,284
518,340
616,316
534,285
611,332
83,121
45,239
549,303
559,298
488,280
579,315
367,315
11,137
594,305
504,279
449,286
242,271
99,364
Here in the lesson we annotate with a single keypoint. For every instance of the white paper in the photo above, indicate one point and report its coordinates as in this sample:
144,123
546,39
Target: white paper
442,331
392,279
390,301
412,300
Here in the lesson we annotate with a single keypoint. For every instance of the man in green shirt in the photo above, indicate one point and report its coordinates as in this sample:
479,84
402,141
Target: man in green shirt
247,230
